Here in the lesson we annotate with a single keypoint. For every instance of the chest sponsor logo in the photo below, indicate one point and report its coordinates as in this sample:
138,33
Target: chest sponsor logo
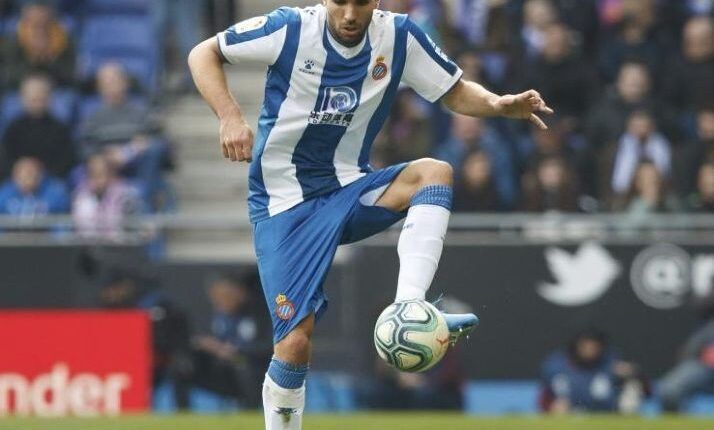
336,107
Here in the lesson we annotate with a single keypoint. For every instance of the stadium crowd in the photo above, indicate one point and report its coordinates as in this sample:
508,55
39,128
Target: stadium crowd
630,81
631,84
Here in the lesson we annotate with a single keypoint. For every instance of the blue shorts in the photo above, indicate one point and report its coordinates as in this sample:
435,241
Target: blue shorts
295,248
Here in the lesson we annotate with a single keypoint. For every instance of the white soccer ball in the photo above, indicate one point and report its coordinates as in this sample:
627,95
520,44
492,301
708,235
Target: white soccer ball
411,335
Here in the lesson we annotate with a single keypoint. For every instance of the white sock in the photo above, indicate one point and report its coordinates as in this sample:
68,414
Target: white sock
276,399
419,249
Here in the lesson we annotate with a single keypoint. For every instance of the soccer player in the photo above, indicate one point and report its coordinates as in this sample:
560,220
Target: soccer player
333,71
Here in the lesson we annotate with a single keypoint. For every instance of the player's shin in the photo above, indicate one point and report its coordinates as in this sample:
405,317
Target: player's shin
284,395
422,240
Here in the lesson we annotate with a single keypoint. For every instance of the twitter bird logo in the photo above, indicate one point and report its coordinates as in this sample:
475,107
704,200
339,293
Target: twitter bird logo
581,278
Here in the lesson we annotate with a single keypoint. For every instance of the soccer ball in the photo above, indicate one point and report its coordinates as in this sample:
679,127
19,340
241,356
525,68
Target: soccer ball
411,335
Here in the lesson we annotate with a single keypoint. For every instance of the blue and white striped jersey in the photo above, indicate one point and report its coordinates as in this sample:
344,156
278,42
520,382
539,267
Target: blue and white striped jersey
325,103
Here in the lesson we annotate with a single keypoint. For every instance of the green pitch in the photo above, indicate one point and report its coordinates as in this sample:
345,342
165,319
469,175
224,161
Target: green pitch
401,421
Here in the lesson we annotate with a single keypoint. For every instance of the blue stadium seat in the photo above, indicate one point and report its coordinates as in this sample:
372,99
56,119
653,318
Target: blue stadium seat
117,6
118,34
501,397
124,39
62,105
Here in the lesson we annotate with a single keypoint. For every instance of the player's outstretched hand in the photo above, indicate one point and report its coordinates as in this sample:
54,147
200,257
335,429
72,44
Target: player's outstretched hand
524,106
236,139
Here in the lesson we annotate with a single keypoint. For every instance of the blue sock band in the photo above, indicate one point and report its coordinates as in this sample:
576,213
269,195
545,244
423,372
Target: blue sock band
287,375
438,195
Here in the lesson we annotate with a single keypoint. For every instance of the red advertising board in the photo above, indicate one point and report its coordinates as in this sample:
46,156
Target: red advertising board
82,363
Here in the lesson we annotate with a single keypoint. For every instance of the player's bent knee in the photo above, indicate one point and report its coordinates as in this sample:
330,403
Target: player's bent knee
435,172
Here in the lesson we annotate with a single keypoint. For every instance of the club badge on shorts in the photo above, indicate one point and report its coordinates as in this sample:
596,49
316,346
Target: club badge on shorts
380,69
285,308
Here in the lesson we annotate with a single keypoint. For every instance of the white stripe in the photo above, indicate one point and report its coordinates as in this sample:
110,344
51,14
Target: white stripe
279,172
348,150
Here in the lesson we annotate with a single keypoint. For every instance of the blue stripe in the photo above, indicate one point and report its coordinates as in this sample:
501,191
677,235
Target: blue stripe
276,91
315,152
428,45
380,115
276,20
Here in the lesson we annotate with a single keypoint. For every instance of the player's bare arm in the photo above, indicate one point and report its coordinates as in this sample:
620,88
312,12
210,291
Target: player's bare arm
236,136
470,98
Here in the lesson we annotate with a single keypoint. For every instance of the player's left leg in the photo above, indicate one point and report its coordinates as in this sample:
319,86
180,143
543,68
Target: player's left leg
425,187
284,386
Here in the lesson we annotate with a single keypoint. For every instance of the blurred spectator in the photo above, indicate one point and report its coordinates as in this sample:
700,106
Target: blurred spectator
125,288
695,371
125,133
703,199
469,134
632,91
640,142
692,155
30,192
561,76
40,44
36,133
481,23
550,186
688,83
232,360
538,16
633,38
559,140
103,201
406,134
587,375
582,18
649,195
475,190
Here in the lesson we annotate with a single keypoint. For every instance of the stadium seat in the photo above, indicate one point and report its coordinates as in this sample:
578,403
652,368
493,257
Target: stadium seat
501,397
134,47
62,106
114,6
118,34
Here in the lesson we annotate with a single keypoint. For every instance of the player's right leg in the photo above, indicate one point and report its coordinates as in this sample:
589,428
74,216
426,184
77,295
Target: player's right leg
284,386
425,188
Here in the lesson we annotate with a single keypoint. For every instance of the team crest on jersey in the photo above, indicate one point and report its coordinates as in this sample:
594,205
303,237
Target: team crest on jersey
284,308
336,107
250,24
380,69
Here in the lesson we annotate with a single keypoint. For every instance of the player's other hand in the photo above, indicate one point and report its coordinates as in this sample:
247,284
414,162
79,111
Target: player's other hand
236,139
524,106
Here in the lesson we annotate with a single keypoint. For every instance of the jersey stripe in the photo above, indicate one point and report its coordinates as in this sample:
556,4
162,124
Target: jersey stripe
279,172
276,91
350,147
400,55
341,85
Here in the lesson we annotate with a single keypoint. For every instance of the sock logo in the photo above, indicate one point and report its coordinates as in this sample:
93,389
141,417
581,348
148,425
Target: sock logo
287,413
285,308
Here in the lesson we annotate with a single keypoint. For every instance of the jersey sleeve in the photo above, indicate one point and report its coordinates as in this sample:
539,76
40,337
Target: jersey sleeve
428,70
258,39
